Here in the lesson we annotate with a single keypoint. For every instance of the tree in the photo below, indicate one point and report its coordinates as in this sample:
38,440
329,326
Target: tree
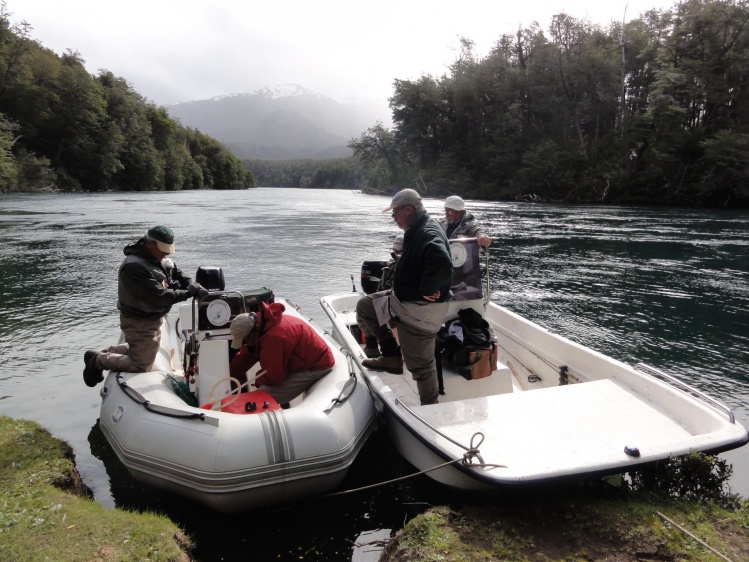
8,169
97,133
725,166
377,145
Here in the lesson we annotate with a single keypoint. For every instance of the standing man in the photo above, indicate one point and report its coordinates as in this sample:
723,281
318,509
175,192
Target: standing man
418,301
148,285
459,222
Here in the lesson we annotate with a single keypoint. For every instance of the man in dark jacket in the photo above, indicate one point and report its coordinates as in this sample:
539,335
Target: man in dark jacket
292,355
418,301
148,285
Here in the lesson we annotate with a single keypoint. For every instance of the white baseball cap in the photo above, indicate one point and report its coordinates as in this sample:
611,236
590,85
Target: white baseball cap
455,203
241,327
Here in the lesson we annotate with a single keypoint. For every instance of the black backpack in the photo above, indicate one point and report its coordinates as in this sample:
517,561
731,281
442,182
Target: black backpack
477,335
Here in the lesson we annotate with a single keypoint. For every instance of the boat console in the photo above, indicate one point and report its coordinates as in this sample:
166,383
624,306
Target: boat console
204,327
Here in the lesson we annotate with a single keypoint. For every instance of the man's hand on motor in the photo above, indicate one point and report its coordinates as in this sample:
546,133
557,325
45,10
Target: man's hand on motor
197,290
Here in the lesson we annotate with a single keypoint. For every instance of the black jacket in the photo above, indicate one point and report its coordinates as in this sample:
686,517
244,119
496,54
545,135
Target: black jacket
143,285
425,265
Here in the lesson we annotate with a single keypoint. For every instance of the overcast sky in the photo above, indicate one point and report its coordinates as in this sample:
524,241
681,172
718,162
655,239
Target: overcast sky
182,50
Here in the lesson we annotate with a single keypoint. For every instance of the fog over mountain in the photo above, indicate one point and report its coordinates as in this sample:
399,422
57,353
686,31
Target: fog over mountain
281,123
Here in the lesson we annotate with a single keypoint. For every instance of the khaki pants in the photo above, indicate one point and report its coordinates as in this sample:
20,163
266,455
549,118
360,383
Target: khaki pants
137,354
294,385
417,344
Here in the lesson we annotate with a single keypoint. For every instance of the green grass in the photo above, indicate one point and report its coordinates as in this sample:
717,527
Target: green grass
579,522
47,514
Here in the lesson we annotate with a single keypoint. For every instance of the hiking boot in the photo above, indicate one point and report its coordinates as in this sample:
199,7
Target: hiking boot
92,375
371,352
392,365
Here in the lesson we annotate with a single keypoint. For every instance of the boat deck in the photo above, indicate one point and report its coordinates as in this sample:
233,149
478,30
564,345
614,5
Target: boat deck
576,425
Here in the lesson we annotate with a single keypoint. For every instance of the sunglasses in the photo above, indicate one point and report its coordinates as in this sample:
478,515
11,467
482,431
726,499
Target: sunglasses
398,209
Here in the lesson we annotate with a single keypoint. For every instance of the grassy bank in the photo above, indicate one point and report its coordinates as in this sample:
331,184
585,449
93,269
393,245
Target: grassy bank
47,514
576,524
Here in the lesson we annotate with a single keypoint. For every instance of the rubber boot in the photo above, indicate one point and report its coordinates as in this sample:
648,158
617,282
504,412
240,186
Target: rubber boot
370,347
390,348
390,360
92,375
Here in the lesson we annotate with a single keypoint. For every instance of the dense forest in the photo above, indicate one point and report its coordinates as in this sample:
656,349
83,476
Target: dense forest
61,128
652,111
334,173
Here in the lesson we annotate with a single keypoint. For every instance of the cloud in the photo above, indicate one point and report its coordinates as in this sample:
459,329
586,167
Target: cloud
180,51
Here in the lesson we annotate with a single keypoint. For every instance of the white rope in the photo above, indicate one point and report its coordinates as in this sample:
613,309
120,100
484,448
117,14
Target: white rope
466,460
703,543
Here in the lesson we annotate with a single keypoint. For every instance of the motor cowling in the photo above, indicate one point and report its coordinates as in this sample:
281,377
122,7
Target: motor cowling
211,277
371,273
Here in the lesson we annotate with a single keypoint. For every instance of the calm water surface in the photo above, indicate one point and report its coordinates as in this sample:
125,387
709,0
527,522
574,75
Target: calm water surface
668,287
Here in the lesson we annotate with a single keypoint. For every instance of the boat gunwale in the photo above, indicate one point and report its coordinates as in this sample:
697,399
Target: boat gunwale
389,400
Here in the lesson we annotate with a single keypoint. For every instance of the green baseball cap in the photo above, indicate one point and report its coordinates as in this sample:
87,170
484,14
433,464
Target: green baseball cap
164,238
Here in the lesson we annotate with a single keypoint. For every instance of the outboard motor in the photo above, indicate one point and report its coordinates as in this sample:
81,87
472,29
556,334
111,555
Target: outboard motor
371,273
210,277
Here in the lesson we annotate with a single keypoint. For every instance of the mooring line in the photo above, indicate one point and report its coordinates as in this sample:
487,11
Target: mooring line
466,460
699,540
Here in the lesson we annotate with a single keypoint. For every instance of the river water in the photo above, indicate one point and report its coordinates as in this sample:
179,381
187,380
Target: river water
667,287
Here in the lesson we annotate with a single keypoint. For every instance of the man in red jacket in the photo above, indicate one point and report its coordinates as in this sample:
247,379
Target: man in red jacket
290,352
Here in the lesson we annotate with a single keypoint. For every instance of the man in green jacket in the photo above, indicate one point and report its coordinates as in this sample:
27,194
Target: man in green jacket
417,304
458,222
148,285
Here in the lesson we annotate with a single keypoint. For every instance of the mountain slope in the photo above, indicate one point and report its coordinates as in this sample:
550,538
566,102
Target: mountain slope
281,123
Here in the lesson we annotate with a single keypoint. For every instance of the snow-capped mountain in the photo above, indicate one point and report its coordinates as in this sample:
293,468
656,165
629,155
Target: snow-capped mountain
280,122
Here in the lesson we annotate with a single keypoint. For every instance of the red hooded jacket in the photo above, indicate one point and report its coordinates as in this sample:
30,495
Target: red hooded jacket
286,344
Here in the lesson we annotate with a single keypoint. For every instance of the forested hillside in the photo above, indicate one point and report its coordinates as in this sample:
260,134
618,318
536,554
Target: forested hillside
654,111
61,128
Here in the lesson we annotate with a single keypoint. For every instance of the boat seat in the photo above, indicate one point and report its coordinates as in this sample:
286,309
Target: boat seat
185,319
456,387
213,365
164,361
454,306
459,388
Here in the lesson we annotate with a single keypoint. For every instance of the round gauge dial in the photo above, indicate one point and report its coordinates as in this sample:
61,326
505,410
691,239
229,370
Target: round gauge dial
218,312
458,253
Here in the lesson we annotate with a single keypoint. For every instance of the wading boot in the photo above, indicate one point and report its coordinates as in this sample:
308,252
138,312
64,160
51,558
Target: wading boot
371,352
393,364
371,348
92,375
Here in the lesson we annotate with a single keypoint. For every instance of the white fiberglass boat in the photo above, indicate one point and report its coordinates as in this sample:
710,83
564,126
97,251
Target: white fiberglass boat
551,410
239,451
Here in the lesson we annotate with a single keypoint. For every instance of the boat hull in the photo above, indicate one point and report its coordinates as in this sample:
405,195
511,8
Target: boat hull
553,410
228,461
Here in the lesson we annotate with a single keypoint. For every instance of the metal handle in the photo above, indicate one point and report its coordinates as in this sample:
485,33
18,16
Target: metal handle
644,367
488,296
